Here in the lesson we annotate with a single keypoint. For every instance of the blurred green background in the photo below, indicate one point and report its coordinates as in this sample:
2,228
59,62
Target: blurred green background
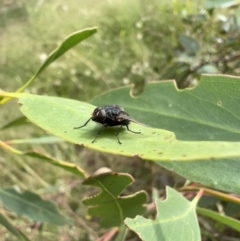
137,41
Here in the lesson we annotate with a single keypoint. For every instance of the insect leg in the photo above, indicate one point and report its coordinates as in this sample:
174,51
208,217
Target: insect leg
136,132
82,125
98,133
118,135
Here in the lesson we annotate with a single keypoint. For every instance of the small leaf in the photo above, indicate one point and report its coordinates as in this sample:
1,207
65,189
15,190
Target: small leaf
230,222
71,41
4,221
176,220
189,44
138,85
31,205
230,25
17,122
210,4
208,69
108,205
68,166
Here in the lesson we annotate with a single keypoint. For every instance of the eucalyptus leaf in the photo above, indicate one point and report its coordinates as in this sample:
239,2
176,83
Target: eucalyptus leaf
190,45
108,205
176,220
210,4
14,123
39,140
228,221
31,205
67,166
68,43
222,174
59,116
210,111
208,69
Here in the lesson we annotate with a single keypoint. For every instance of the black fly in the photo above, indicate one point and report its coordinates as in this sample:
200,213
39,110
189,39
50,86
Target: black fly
111,115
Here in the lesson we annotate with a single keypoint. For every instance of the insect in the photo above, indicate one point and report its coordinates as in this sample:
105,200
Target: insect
111,115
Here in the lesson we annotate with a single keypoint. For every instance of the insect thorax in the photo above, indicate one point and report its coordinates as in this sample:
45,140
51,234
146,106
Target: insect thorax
110,116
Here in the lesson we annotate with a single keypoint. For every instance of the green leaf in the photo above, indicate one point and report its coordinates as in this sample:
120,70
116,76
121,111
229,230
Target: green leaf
220,4
189,44
58,116
108,205
71,41
68,43
207,112
222,174
138,85
208,69
230,222
4,221
17,122
176,220
229,26
67,166
31,205
39,140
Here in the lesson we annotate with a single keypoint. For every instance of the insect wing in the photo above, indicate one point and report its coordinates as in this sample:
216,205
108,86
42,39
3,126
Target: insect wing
126,117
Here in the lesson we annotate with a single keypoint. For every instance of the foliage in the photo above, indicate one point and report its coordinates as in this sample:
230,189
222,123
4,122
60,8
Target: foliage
169,220
135,43
70,167
205,114
108,205
203,51
32,206
153,144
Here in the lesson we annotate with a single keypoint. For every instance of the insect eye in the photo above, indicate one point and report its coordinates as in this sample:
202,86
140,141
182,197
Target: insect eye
101,114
